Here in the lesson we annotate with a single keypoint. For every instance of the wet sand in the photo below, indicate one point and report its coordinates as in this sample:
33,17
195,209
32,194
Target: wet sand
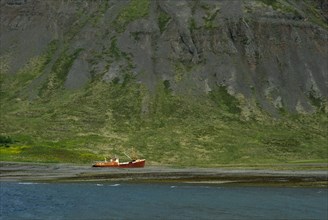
41,172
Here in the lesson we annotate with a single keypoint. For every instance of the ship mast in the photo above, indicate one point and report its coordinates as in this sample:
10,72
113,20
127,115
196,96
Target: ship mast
127,156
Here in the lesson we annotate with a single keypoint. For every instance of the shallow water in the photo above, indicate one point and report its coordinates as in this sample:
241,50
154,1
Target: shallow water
159,201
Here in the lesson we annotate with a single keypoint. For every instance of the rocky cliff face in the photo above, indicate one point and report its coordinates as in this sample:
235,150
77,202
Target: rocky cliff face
273,53
167,76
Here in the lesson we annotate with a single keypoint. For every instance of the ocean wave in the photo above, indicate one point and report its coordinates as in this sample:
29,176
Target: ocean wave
27,183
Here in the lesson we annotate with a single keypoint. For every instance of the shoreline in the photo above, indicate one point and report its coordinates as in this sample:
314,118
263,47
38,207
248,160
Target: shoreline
72,173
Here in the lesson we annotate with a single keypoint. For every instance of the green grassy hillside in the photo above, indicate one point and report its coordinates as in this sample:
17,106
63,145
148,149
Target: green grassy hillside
190,83
111,118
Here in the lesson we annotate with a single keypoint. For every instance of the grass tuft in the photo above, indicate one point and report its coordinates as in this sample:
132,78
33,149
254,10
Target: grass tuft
135,10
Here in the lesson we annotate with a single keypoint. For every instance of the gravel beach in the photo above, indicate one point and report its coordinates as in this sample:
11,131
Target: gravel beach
42,172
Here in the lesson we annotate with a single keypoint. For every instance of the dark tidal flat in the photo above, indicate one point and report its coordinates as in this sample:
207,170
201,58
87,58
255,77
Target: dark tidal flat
309,176
121,200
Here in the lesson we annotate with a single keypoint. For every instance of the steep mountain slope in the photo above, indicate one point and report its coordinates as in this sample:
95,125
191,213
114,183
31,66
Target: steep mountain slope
182,82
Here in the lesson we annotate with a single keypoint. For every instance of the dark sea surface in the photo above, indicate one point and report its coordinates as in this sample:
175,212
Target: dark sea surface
159,201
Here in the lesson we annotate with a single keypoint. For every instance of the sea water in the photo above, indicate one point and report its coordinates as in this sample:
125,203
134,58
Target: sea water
158,201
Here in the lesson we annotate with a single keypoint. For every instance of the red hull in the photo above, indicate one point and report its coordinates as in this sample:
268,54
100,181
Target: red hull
131,164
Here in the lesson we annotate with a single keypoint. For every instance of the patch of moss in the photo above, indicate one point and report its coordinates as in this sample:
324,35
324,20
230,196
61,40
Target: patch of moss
12,85
114,50
104,5
167,86
205,6
282,7
4,65
224,100
46,153
50,50
316,101
315,15
192,25
135,10
136,35
181,68
60,70
33,68
5,141
63,64
81,19
272,3
282,144
210,18
11,153
163,20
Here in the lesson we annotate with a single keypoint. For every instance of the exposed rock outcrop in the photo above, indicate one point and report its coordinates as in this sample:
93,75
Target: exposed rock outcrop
275,53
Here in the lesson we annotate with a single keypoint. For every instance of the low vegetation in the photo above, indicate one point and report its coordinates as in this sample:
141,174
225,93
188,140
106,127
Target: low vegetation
163,20
135,10
107,118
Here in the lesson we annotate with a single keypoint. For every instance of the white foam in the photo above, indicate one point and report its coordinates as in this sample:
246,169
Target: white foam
27,183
